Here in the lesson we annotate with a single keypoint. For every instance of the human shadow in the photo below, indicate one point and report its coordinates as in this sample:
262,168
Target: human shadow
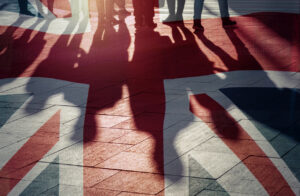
15,63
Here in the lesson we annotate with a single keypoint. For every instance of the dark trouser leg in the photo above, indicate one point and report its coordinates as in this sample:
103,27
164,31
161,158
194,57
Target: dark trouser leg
223,5
171,7
23,6
198,7
180,7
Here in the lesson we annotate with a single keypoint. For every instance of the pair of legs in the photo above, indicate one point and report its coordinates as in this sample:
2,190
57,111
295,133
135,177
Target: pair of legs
223,6
171,6
143,12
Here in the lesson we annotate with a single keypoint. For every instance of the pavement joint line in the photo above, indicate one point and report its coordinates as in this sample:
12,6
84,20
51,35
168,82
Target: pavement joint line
49,189
295,146
14,143
130,144
165,164
34,113
75,143
243,139
16,87
106,178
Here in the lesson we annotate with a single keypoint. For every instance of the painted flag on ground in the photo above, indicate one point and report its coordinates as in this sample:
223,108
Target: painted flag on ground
87,109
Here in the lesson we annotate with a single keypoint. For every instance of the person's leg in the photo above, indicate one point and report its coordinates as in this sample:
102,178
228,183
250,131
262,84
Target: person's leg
180,8
223,4
171,8
198,7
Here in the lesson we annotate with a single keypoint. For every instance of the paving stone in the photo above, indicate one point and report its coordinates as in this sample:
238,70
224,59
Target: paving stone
137,182
8,139
105,121
97,152
183,137
212,193
104,134
100,192
130,161
239,180
131,194
11,83
93,176
133,137
213,164
37,86
48,178
142,122
147,146
266,131
283,144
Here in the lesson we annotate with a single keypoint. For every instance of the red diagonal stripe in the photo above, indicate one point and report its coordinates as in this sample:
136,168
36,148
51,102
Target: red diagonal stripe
29,154
238,140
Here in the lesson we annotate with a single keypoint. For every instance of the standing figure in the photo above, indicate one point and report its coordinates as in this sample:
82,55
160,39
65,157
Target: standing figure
143,13
223,6
172,15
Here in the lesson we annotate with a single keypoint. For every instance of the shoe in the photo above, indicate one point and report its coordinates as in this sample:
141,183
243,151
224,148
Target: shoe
198,26
179,18
170,18
226,22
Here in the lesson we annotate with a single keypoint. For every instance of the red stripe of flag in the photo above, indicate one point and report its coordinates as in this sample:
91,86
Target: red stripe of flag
29,154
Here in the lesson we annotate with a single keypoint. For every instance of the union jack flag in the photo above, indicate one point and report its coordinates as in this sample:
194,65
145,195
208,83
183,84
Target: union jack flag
88,108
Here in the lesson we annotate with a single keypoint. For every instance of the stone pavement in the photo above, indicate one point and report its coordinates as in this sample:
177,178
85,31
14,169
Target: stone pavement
87,109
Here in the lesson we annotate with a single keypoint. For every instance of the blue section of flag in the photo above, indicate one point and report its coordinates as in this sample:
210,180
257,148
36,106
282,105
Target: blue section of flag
9,104
203,186
276,114
46,181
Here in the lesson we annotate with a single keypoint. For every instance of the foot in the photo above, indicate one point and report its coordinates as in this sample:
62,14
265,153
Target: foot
226,22
179,18
198,26
170,18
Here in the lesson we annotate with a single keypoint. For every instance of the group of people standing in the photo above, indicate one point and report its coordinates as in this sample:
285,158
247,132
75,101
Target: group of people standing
144,11
176,15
